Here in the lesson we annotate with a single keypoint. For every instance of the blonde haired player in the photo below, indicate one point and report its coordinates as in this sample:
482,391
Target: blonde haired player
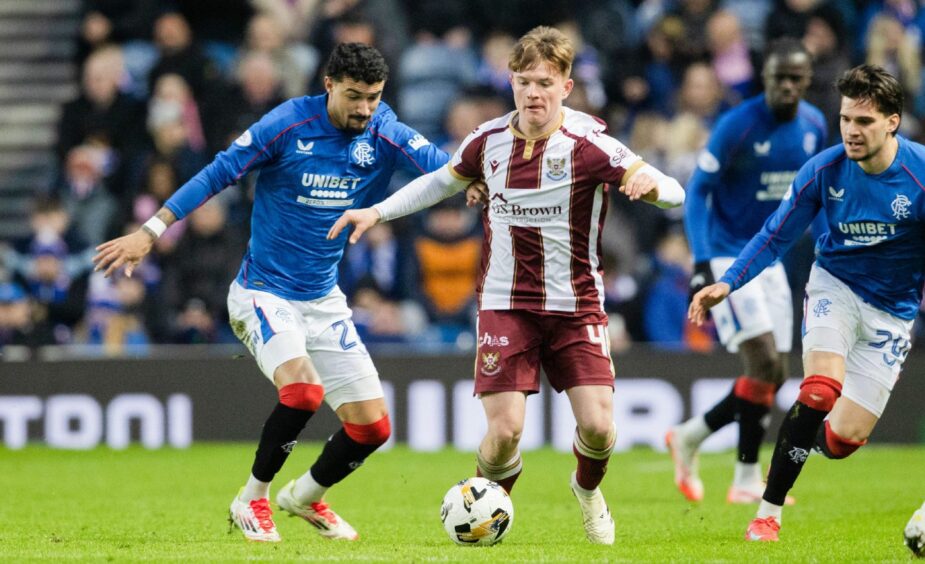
548,171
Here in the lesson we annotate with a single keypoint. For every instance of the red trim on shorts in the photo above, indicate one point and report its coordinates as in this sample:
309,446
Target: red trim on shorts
301,395
754,390
370,434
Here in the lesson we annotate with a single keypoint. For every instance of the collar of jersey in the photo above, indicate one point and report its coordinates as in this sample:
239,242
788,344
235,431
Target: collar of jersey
543,135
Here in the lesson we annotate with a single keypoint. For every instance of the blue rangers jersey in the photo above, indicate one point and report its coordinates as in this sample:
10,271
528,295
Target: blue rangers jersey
744,172
876,227
309,173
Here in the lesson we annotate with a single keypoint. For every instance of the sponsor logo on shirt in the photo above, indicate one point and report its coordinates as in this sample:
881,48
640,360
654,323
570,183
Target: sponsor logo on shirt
762,149
866,233
836,195
311,180
418,141
775,185
494,165
304,148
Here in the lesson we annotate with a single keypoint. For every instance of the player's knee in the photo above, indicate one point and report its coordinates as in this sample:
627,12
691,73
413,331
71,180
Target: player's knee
505,433
597,434
835,445
819,392
306,397
372,434
755,391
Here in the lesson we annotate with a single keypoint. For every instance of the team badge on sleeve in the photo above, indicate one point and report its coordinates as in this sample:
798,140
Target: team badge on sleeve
245,139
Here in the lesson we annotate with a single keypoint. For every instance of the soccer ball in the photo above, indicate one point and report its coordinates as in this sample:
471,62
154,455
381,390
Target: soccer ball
914,533
477,512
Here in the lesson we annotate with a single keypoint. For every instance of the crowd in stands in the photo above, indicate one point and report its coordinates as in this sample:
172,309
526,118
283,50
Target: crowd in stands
164,85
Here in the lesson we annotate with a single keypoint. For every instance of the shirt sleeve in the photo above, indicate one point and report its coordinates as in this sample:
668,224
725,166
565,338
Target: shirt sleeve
712,162
415,153
254,148
608,160
466,163
781,229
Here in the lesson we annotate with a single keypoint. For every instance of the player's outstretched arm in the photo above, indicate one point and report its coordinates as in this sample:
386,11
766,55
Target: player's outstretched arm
653,186
705,299
128,250
361,220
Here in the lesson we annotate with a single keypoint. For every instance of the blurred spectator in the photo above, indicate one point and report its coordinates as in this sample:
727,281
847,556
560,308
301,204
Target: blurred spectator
586,68
658,67
730,57
57,295
684,137
447,253
102,115
19,324
379,320
379,260
296,16
898,50
296,63
160,181
115,21
116,307
204,263
86,193
493,71
431,73
255,92
467,112
694,14
789,18
178,54
701,93
175,126
824,41
665,316
752,15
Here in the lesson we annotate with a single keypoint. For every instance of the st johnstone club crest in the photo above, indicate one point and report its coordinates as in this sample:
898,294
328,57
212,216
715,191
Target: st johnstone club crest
491,364
555,168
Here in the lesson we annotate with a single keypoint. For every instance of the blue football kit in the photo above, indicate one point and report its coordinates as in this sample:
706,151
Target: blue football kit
310,172
876,227
744,172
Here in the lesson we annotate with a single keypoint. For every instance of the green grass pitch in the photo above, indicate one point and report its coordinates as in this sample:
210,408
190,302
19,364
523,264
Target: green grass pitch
171,505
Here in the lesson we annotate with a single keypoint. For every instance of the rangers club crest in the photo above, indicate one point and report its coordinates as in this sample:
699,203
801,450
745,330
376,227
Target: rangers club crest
363,154
555,168
491,363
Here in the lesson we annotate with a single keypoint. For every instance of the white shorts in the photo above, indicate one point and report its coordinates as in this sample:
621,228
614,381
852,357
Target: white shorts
276,330
873,342
764,305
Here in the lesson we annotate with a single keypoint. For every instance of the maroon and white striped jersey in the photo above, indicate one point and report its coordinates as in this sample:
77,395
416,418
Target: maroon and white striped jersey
547,203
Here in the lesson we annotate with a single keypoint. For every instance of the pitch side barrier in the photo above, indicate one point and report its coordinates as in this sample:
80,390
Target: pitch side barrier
175,396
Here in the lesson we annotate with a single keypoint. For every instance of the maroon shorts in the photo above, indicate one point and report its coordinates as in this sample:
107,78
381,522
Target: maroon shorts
573,349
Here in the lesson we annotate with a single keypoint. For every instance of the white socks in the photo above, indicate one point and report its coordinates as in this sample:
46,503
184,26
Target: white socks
747,474
307,490
766,509
254,489
694,431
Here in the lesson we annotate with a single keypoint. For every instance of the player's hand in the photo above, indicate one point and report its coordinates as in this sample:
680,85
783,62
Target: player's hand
476,193
125,251
361,219
701,278
705,299
641,186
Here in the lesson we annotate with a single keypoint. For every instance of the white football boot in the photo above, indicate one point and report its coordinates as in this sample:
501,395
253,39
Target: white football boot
254,518
329,524
596,519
